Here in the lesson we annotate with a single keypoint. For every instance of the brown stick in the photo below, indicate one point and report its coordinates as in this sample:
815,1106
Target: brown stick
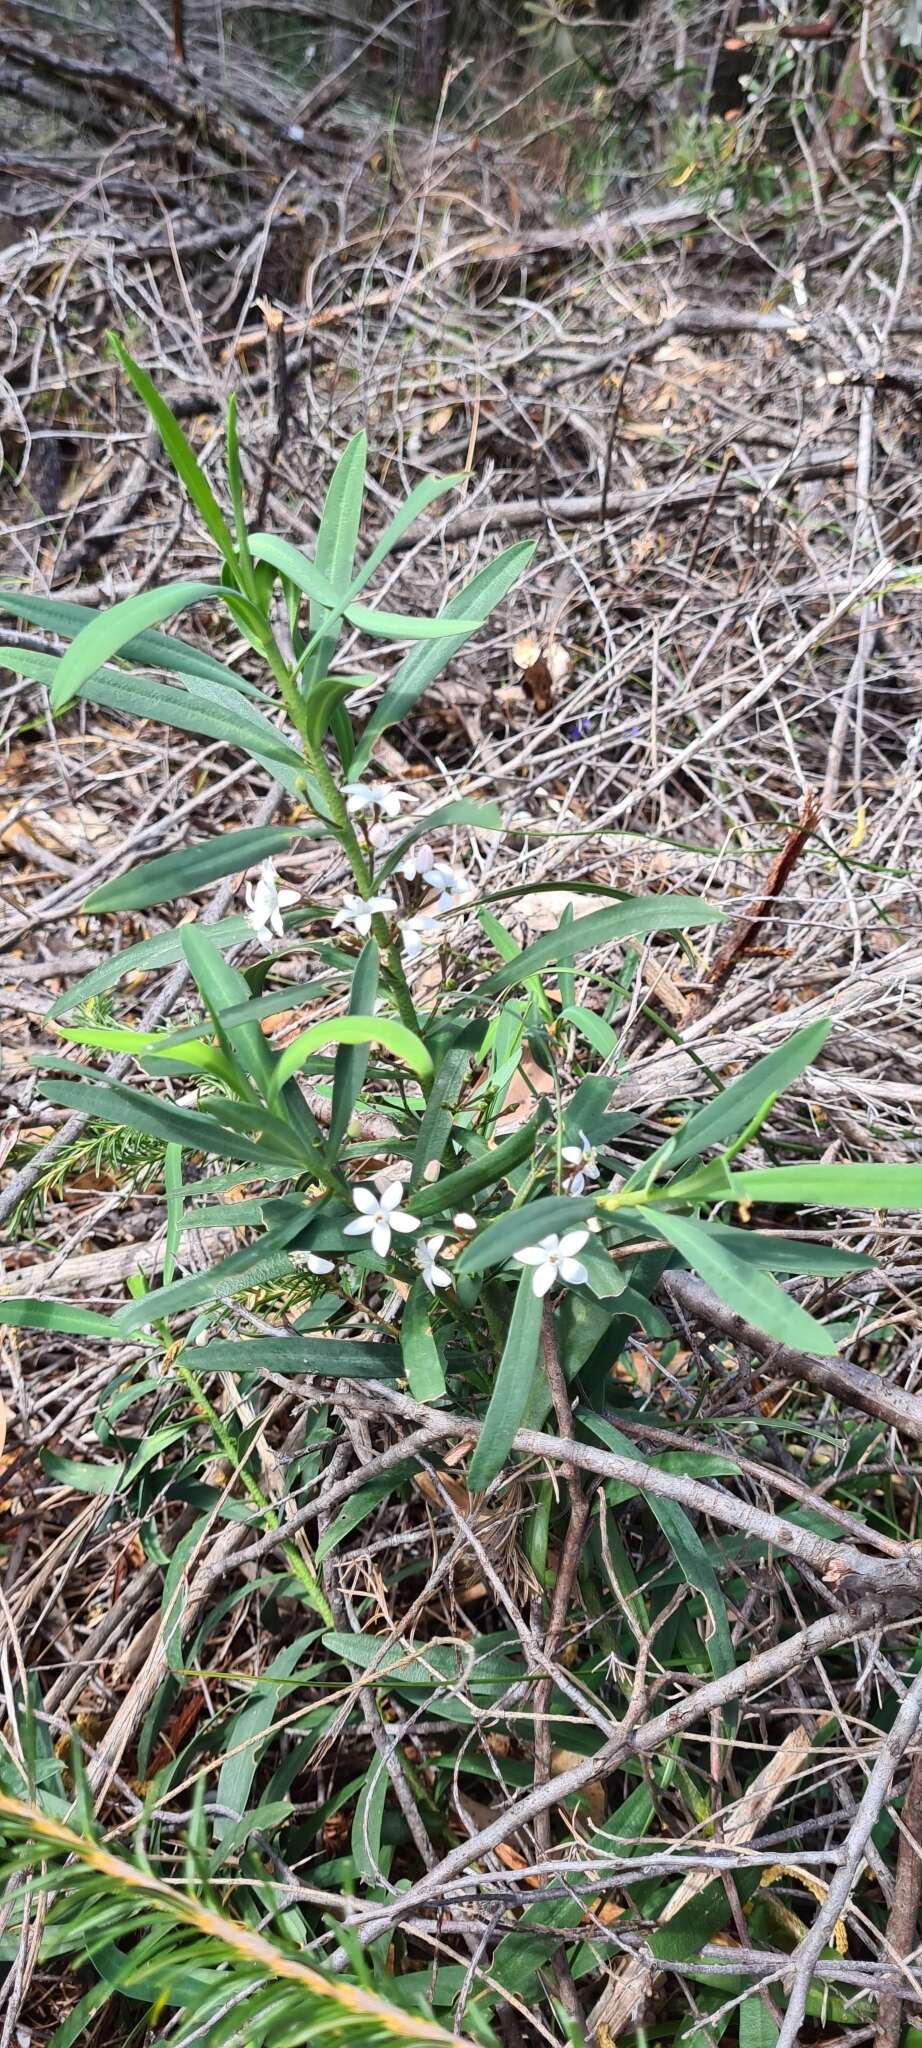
904,1912
785,860
852,1383
747,1678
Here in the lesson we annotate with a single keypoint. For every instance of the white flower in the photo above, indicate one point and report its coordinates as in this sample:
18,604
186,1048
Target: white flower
584,1160
265,903
426,1256
553,1260
380,796
416,861
359,911
463,1221
414,932
454,889
378,1213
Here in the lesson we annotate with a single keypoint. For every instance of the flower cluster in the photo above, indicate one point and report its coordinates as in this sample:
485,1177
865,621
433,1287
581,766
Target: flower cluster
266,899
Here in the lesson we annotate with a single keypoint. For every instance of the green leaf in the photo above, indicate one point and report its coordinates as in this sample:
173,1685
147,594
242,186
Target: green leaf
115,1104
65,619
290,562
514,1381
163,950
242,1740
189,868
730,1111
263,1260
341,517
405,626
744,1288
222,988
435,1128
62,1316
178,450
351,1063
455,1190
789,1254
384,1031
108,632
420,497
757,2029
624,920
367,1822
851,1186
326,1357
418,668
235,723
496,1244
423,1363
324,699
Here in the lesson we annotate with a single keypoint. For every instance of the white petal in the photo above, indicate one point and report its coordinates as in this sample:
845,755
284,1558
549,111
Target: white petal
434,1244
392,1196
531,1255
572,1272
439,1276
550,1244
365,1200
359,1225
572,1242
463,1221
287,897
573,1154
315,1264
381,1239
400,1220
544,1277
363,924
576,1184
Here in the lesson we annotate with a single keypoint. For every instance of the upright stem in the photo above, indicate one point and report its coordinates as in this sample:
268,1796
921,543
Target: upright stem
345,831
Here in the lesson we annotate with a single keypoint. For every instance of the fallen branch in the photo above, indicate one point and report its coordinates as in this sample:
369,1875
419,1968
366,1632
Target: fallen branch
851,1383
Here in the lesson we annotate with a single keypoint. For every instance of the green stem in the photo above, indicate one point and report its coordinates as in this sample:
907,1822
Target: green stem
297,1565
345,832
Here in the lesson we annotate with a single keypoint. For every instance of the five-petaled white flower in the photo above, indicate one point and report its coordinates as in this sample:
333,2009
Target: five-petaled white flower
265,903
415,931
359,911
380,1214
585,1163
377,796
553,1260
454,889
416,862
426,1256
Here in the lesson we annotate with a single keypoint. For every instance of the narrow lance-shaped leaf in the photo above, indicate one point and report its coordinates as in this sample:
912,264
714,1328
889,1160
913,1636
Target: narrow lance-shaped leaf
744,1288
179,451
624,920
59,615
418,669
424,1368
108,632
396,1038
514,1380
852,1185
352,1060
190,867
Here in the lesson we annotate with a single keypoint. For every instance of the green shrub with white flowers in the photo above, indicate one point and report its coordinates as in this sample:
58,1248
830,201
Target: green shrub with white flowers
398,1225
